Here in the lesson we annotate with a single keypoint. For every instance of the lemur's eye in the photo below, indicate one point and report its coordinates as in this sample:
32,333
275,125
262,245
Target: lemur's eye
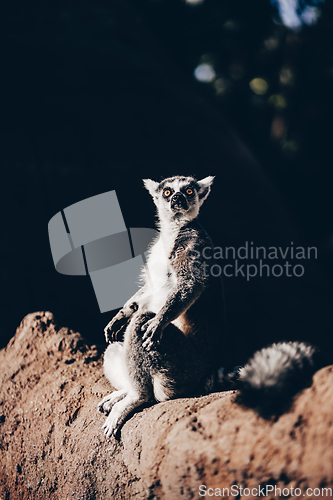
189,191
167,192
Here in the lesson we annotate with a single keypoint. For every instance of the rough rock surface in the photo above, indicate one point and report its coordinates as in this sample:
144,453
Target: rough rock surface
52,445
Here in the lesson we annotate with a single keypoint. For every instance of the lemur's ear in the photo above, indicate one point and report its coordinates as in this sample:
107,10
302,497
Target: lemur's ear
151,186
204,188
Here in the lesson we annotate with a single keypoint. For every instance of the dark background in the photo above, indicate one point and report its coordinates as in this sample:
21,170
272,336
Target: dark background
97,95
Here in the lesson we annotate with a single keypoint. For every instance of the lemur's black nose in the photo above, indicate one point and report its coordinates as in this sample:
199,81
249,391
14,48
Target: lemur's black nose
179,201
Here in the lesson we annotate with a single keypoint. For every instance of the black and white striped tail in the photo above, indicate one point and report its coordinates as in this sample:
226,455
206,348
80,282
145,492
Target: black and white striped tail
272,377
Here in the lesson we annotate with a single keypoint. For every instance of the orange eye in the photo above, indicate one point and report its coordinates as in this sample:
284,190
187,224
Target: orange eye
189,191
167,192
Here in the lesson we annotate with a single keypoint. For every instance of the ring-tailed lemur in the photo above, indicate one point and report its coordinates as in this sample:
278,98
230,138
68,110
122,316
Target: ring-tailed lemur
174,325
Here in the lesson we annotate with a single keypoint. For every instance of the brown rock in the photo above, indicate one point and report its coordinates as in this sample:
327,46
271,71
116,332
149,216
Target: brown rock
52,445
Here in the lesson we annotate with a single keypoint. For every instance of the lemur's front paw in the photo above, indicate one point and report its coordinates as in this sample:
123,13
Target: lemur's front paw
115,329
152,333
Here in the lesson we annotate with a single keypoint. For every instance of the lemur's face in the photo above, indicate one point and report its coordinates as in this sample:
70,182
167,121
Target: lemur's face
179,198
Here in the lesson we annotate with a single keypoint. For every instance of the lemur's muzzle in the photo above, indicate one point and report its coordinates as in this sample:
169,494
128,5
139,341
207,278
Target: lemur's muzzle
179,201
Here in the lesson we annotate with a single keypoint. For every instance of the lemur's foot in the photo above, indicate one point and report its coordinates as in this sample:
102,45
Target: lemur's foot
105,406
112,424
114,331
120,412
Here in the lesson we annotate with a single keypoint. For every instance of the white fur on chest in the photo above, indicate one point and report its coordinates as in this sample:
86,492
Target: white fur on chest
158,275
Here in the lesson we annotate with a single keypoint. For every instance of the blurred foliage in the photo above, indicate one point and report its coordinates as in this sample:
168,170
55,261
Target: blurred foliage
275,85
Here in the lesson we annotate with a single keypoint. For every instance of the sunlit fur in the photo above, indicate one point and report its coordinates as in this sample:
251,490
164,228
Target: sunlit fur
174,324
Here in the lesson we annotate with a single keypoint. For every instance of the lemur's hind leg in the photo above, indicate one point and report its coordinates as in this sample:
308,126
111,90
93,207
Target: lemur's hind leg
115,366
140,389
115,371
